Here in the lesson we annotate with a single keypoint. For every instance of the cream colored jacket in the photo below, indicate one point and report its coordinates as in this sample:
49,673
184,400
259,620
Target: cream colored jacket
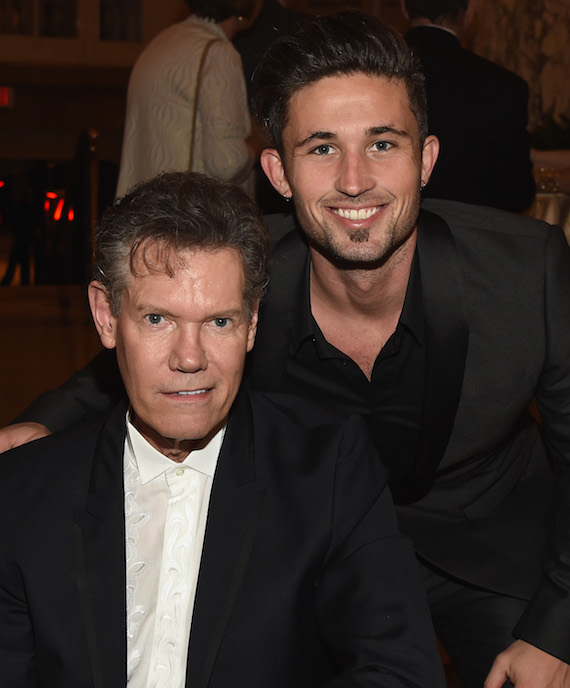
160,106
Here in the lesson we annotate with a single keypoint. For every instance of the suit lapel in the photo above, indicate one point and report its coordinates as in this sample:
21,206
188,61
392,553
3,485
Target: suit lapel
99,539
234,507
447,335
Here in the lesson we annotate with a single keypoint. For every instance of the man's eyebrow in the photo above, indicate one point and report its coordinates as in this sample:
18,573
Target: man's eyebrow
230,312
148,307
372,131
316,136
386,129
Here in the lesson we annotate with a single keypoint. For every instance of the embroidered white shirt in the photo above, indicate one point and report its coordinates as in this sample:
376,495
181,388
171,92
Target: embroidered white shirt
166,506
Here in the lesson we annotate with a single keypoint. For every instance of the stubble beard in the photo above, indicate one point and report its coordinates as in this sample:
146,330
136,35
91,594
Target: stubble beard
396,233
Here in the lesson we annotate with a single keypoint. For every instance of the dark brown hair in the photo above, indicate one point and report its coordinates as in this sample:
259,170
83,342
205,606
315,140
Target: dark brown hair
335,45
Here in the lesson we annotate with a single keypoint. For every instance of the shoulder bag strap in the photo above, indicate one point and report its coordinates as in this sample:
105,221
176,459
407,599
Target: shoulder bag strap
196,93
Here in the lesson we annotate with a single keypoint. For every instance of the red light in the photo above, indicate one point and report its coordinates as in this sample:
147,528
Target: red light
46,206
6,96
58,210
70,215
1,184
51,194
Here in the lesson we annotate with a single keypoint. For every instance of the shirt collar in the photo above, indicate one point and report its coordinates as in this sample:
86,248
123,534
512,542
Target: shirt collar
151,463
438,26
304,325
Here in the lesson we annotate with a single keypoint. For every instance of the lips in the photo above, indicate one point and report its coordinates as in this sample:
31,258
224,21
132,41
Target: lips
356,213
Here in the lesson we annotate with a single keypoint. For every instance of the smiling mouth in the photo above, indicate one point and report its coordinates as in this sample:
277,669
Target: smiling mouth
357,213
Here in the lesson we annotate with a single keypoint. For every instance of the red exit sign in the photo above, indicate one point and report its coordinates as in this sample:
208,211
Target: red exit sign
6,96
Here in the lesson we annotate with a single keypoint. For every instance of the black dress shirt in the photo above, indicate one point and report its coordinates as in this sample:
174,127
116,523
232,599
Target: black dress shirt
391,402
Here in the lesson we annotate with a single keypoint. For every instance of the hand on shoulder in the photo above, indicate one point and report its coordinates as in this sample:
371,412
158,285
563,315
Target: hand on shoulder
20,433
526,666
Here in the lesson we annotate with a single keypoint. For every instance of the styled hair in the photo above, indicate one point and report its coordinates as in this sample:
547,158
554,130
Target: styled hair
334,45
174,212
436,9
220,10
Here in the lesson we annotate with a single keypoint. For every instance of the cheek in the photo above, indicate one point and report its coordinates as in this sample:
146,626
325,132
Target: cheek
139,364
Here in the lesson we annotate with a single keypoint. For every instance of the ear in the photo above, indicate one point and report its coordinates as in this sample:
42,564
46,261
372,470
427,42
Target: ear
252,328
105,321
274,170
430,151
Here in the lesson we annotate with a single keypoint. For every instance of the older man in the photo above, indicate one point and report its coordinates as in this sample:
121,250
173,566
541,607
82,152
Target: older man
200,535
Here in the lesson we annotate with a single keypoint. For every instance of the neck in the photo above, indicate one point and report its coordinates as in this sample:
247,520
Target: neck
374,293
358,310
230,27
174,449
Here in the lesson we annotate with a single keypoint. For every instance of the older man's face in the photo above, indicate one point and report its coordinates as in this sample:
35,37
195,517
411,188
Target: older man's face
181,345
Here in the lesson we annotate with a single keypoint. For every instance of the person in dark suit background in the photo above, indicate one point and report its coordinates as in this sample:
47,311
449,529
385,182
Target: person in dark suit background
477,109
436,322
274,21
201,535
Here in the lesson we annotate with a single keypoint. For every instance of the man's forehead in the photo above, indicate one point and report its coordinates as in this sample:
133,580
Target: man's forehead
159,257
213,278
344,98
377,82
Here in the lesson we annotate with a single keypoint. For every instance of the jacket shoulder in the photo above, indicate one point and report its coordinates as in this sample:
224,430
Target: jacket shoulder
461,217
58,466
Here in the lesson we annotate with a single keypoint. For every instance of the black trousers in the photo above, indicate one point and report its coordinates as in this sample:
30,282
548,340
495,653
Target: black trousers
473,625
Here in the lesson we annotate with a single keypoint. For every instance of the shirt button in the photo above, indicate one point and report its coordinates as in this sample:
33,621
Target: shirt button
180,471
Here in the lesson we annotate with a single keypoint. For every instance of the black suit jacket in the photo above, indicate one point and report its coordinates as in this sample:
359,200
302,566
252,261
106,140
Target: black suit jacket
496,302
304,579
479,111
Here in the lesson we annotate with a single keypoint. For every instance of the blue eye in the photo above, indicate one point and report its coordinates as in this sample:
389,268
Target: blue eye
221,322
382,145
154,318
323,149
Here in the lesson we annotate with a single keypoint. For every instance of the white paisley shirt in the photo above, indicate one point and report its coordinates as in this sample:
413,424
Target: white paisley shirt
166,507
160,104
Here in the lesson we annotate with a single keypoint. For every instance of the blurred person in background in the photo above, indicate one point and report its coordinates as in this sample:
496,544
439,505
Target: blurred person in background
187,104
477,109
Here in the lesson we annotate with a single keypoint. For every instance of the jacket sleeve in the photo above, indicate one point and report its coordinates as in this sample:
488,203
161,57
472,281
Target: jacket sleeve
372,610
545,622
92,390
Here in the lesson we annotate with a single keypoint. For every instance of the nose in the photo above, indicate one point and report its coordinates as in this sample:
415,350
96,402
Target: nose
354,176
188,354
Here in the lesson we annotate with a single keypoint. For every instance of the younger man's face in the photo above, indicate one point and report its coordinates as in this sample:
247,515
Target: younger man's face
181,345
354,165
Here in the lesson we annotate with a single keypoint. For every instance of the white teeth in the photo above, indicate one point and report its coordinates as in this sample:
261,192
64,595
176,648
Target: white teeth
198,391
354,214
